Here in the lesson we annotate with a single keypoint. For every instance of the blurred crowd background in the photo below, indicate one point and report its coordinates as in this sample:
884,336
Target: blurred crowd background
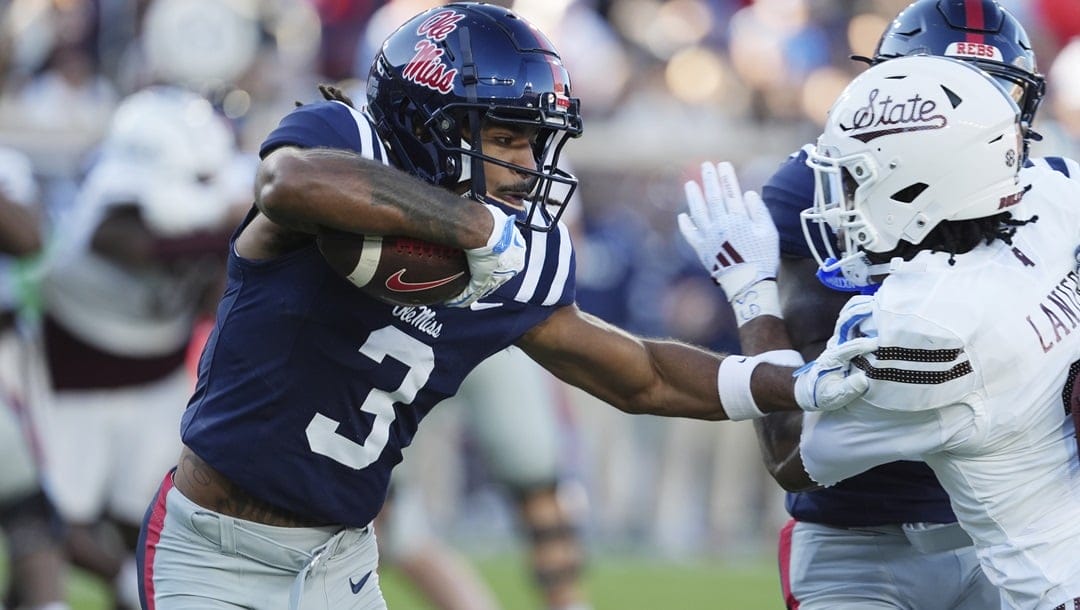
664,85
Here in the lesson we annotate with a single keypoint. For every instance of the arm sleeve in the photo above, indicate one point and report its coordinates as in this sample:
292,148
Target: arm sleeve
1062,165
918,365
837,445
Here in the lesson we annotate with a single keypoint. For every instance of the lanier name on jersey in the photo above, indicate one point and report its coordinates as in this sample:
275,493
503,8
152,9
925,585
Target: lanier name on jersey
1046,323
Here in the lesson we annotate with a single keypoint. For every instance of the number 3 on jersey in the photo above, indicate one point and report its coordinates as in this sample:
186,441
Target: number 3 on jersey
389,341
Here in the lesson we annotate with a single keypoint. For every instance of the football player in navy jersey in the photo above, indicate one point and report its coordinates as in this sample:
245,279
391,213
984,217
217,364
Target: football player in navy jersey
309,390
893,522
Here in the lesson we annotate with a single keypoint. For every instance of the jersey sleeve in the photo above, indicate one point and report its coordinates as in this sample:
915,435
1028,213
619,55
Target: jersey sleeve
837,445
325,125
1063,165
918,366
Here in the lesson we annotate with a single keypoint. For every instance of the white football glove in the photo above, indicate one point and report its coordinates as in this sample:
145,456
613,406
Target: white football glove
832,382
497,262
732,233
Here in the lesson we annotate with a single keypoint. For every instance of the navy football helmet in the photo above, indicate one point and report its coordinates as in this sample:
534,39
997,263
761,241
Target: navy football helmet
978,31
446,71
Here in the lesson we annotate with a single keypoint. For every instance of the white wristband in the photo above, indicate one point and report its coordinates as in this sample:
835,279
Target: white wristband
733,386
781,357
760,299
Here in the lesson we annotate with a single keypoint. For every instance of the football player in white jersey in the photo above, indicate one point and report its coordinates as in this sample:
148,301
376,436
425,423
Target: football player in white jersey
918,174
126,274
893,521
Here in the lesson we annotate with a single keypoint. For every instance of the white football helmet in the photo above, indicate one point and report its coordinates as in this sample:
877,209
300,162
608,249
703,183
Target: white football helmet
910,143
165,150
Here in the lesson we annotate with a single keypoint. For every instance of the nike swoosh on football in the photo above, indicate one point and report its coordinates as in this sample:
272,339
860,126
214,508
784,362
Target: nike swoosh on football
480,306
396,284
356,586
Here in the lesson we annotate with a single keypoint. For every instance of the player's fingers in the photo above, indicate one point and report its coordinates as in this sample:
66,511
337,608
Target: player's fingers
848,350
689,230
696,203
857,384
729,188
713,191
852,315
755,207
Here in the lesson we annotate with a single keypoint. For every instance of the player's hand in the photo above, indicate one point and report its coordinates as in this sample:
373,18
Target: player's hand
732,233
832,381
494,264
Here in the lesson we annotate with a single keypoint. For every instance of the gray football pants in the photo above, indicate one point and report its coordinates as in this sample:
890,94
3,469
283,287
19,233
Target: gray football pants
202,559
877,568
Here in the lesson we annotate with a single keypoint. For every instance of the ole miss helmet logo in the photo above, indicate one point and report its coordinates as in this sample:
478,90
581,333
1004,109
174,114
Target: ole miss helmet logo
426,68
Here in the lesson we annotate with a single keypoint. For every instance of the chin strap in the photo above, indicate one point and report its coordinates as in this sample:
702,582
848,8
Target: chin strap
835,279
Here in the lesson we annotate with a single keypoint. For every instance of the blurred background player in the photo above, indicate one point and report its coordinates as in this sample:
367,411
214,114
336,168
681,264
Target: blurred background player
28,521
893,521
130,267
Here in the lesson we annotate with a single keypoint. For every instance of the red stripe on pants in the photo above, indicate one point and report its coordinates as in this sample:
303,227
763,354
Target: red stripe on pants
153,536
784,557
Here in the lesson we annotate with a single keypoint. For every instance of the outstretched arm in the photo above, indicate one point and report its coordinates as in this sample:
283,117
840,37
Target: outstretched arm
639,375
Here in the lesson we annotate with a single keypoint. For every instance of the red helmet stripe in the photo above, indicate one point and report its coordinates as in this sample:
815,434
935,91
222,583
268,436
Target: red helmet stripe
973,14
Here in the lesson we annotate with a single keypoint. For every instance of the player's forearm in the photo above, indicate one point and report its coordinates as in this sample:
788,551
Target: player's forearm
680,380
778,441
309,189
763,334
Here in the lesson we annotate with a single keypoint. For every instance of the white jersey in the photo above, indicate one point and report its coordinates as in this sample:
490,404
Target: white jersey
159,303
973,375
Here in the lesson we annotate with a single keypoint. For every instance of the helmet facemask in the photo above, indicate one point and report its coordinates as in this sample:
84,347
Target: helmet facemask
839,182
457,131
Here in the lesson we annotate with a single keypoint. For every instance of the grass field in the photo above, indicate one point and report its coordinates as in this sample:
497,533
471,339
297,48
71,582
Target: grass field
614,583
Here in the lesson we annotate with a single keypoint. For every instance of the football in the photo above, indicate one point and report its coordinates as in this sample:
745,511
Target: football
394,269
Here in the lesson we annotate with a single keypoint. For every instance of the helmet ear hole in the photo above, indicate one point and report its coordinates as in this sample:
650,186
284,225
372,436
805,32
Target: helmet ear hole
910,193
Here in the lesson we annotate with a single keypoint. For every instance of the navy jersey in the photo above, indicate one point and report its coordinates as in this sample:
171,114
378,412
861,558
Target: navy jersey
899,492
309,391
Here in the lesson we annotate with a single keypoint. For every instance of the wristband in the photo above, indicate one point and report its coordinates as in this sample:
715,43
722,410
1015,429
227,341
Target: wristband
781,357
733,387
759,299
